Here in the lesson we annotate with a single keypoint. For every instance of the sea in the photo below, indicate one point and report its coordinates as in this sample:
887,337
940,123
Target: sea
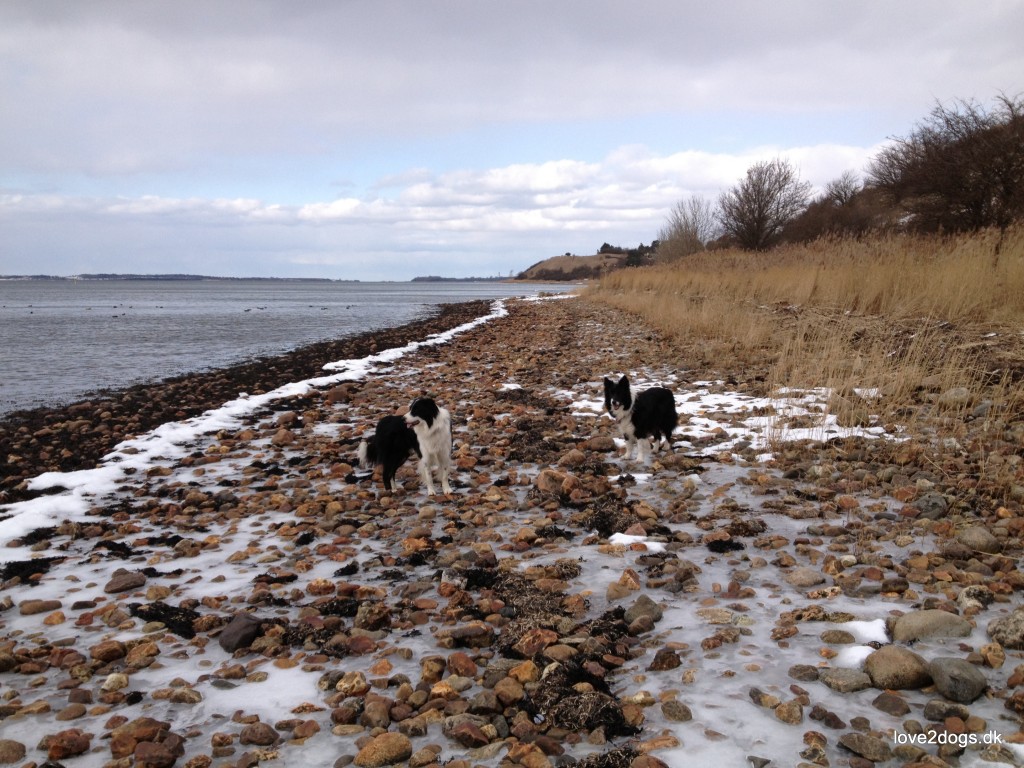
65,340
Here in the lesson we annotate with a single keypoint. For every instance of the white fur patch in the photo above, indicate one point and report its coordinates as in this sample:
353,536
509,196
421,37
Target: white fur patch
436,446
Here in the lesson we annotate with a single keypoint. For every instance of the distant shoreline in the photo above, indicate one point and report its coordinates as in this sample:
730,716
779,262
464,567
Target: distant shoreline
111,277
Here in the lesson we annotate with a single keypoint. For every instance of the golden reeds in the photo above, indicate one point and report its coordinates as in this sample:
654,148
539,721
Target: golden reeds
888,323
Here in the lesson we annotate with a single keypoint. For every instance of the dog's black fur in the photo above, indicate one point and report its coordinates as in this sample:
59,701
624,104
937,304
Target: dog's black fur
390,446
649,416
426,430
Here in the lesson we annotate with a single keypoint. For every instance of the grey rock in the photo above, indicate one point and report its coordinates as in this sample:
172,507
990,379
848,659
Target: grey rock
957,679
896,668
922,625
975,596
868,747
955,397
940,709
932,506
676,711
240,632
123,580
845,680
805,673
643,606
837,637
1009,630
804,577
979,539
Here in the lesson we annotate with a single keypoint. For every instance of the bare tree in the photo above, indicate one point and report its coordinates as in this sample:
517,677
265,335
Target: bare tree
691,225
755,211
960,169
842,190
845,208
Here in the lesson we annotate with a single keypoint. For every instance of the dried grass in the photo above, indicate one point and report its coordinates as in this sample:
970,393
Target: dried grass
889,324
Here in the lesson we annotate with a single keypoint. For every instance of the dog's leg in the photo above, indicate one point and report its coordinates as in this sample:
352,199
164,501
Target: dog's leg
388,475
643,450
425,475
445,470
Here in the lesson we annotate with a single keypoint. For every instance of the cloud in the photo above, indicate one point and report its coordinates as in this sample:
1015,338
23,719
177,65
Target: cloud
108,87
484,221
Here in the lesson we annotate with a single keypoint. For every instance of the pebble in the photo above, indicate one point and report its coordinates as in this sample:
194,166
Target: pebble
1008,631
869,747
386,749
845,680
11,751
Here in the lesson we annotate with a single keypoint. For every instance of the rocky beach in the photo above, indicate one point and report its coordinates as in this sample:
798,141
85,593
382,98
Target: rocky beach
780,589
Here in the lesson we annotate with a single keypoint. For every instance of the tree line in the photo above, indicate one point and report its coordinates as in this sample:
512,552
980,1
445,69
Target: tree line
960,169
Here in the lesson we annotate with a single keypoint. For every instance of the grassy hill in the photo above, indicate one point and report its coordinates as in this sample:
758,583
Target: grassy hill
573,267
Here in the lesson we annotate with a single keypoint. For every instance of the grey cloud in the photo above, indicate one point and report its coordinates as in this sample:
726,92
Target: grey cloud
118,86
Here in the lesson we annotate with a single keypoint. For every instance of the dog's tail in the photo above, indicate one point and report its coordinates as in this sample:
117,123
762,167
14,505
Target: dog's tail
367,454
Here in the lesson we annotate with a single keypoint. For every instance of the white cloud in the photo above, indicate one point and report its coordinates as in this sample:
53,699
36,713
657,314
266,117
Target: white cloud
506,218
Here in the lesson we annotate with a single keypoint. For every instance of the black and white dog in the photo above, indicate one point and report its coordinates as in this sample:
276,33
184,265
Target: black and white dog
389,447
426,430
644,420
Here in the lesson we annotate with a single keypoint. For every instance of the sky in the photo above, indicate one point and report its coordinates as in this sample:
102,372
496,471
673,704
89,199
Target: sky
388,140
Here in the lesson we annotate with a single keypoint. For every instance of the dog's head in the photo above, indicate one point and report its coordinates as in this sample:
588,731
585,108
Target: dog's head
618,398
422,410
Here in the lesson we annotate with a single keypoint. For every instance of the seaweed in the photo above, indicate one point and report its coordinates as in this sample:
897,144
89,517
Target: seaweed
27,571
177,620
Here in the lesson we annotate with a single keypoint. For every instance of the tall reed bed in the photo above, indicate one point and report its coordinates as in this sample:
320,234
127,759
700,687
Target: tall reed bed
964,278
896,315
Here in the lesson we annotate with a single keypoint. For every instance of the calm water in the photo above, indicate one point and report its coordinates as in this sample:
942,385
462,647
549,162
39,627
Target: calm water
63,340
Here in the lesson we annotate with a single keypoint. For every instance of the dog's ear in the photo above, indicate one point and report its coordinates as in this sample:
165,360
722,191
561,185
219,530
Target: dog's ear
624,381
608,384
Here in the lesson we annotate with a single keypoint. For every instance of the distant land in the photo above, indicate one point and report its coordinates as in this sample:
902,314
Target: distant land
436,279
564,268
117,276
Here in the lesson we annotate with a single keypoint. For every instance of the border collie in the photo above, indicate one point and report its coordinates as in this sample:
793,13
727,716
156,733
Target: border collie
425,430
433,427
644,420
389,447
